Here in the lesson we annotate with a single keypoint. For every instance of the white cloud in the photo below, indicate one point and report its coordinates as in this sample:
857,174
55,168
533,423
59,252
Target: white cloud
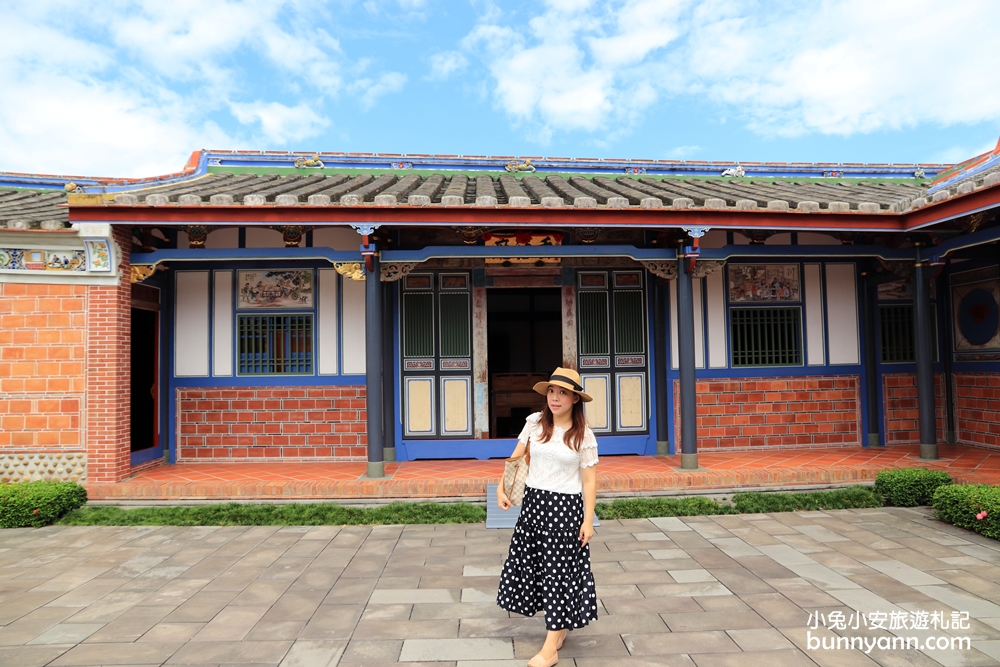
390,82
446,63
130,87
280,123
577,65
781,68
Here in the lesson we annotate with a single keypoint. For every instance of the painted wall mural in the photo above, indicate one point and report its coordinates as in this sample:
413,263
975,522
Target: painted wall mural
279,288
763,282
17,259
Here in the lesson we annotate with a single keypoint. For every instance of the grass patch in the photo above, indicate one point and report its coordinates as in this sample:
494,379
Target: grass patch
755,502
312,514
644,508
330,514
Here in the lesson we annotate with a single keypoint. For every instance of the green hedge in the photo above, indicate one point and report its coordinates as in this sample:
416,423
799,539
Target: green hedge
853,496
642,508
975,507
909,487
37,504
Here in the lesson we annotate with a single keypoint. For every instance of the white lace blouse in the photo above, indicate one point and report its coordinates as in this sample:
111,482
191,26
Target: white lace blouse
555,466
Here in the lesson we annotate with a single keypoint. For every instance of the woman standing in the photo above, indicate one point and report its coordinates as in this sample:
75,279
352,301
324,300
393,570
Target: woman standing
548,567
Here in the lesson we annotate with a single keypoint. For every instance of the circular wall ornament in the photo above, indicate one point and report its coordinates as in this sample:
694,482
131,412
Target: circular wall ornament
978,316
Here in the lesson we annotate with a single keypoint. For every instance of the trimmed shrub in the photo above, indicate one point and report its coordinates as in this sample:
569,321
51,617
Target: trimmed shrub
974,507
643,508
909,487
755,502
37,504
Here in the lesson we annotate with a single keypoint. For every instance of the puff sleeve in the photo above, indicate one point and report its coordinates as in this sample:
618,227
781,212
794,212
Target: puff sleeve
588,449
530,426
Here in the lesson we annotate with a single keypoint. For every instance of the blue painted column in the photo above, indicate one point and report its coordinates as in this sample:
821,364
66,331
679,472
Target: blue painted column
922,323
869,302
373,365
660,372
388,374
685,350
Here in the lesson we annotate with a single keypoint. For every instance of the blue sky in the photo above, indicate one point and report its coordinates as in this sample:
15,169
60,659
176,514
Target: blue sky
130,88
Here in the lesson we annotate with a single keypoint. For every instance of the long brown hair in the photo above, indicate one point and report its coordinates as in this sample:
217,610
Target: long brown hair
574,436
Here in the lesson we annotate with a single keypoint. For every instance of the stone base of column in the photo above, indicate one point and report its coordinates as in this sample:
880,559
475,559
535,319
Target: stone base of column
389,454
874,440
689,461
662,447
928,452
376,469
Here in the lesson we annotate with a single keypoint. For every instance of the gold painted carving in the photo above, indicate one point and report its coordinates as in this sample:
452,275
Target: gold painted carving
142,271
351,270
393,271
706,267
666,269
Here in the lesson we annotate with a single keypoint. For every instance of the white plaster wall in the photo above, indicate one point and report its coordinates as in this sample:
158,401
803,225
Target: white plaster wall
718,352
222,319
262,237
337,238
228,237
714,238
699,324
353,329
812,238
842,311
327,329
813,295
191,324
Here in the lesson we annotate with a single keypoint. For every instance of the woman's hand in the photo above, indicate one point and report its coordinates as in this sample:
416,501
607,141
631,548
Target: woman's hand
503,502
586,533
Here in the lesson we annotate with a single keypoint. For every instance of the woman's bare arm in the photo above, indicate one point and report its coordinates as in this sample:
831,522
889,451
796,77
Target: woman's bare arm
503,502
589,475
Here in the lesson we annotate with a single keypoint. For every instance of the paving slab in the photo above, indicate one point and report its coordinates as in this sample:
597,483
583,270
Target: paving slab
673,592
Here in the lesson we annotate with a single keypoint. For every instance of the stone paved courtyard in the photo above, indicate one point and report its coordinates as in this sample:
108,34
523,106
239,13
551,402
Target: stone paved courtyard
724,591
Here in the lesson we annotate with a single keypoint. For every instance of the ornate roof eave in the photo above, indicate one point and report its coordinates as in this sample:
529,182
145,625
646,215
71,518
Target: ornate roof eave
793,220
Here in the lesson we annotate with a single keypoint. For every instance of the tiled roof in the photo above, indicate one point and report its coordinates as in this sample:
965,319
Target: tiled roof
33,209
549,191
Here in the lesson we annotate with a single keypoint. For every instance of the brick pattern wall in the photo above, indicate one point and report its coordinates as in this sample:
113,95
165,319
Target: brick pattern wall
42,383
109,312
775,412
272,423
901,416
977,409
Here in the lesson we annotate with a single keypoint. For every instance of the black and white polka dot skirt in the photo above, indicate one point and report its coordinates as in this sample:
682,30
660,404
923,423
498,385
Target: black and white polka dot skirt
547,570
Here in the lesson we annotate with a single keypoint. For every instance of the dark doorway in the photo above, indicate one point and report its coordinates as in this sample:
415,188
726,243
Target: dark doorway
145,341
524,345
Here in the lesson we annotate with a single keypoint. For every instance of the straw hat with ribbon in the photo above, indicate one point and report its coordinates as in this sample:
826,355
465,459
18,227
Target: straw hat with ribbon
566,378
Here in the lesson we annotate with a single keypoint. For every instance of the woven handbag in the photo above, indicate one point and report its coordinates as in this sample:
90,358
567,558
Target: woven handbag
515,474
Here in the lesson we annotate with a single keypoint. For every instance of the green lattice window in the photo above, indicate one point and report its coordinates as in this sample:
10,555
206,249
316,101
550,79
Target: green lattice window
593,322
766,336
418,324
629,329
456,335
899,344
275,344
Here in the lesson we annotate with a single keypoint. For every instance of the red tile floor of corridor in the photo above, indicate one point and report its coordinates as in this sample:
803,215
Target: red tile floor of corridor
624,475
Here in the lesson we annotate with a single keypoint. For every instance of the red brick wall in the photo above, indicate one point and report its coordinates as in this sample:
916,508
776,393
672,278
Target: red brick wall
902,419
977,408
109,312
271,423
42,351
776,412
